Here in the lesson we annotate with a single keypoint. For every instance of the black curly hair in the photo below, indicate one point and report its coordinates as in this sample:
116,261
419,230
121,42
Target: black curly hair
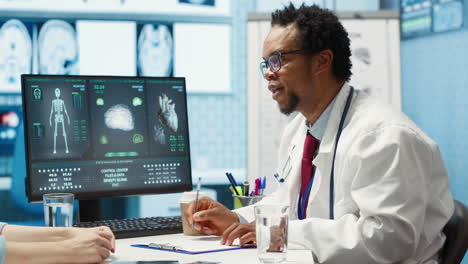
319,29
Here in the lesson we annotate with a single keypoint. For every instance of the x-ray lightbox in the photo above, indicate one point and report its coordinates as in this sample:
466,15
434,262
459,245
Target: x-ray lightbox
202,55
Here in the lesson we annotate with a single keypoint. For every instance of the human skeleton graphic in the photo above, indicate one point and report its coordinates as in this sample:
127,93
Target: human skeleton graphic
58,108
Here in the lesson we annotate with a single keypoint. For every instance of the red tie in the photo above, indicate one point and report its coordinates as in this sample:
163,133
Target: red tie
310,146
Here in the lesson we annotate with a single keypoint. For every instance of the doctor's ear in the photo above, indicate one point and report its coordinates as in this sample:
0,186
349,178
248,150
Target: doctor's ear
323,61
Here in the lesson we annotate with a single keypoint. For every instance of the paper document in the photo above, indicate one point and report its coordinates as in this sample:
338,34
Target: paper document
191,244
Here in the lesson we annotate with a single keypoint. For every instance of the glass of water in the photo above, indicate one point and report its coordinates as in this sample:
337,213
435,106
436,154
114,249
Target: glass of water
58,209
272,232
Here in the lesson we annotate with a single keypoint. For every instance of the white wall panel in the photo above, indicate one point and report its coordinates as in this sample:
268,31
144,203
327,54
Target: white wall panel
107,47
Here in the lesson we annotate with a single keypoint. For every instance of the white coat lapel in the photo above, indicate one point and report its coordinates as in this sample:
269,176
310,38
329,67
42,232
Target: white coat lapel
295,177
319,194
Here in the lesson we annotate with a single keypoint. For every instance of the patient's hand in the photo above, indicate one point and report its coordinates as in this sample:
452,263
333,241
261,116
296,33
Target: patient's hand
89,245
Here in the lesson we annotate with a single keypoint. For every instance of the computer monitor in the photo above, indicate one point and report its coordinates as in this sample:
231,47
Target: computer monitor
105,136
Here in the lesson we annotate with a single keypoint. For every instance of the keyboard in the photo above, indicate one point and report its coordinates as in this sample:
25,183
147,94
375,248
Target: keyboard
137,227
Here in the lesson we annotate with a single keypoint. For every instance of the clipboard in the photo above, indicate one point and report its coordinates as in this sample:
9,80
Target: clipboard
190,252
191,245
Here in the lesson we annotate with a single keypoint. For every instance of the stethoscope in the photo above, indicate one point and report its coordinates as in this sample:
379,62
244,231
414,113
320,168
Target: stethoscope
301,205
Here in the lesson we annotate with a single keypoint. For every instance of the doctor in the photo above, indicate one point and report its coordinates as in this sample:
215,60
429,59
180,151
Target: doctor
363,182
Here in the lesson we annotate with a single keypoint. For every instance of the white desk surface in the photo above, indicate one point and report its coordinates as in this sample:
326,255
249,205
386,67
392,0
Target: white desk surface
124,252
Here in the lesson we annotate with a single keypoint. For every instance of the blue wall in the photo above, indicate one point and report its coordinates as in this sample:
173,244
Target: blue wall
434,93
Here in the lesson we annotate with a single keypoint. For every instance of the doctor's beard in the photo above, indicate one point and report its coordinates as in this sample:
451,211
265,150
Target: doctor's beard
291,104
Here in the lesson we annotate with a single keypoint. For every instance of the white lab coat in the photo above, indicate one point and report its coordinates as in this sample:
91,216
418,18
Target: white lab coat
392,196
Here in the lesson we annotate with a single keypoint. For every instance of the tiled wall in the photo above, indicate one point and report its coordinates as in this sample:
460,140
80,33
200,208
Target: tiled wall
218,123
217,126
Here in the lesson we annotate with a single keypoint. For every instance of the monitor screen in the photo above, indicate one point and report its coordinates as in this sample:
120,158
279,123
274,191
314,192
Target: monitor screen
424,17
103,136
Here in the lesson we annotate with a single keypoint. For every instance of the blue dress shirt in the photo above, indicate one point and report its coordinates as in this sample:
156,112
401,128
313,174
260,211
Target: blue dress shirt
318,128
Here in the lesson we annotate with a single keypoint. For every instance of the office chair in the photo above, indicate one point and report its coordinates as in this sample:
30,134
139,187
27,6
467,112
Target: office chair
456,231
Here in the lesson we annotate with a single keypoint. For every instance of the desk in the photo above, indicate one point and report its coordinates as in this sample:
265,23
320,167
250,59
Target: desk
124,252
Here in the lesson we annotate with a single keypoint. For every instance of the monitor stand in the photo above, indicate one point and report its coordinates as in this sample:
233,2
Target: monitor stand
90,210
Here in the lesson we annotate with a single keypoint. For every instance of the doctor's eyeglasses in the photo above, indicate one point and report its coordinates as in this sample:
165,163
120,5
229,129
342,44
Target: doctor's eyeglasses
274,61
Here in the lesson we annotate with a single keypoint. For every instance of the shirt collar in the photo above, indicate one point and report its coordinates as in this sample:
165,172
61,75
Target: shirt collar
318,128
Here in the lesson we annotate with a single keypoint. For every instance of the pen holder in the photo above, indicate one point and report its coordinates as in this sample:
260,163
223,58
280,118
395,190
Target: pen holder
241,201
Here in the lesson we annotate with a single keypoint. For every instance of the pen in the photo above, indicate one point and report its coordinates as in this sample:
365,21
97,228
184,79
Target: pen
246,188
233,183
257,185
164,246
196,199
262,185
233,179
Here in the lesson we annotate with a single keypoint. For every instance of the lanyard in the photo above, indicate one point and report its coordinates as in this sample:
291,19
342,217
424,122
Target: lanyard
301,205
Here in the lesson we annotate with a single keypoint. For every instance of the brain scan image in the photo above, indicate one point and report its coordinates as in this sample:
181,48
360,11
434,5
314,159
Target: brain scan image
362,54
155,49
119,117
15,54
367,65
58,48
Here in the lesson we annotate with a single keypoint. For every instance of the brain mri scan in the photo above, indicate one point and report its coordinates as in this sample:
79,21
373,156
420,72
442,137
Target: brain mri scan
362,54
15,54
363,63
58,48
155,48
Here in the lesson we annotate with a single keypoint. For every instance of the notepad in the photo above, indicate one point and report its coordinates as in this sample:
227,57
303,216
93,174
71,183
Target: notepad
191,245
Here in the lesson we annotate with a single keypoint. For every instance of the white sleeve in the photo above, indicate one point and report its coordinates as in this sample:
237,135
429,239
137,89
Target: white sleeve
390,169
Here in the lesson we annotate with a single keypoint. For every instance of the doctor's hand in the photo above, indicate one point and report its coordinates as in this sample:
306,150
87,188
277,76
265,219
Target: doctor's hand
211,218
245,232
278,237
